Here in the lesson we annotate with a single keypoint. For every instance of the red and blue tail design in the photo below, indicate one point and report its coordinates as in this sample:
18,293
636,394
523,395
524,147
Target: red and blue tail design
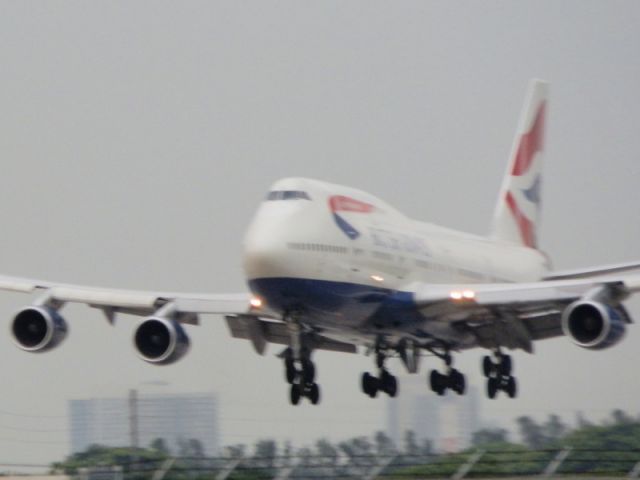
517,213
340,203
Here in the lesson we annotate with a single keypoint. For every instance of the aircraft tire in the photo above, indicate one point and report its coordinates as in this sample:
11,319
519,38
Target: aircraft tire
437,382
308,371
389,384
512,387
369,384
506,365
295,394
433,380
487,366
492,387
314,393
459,383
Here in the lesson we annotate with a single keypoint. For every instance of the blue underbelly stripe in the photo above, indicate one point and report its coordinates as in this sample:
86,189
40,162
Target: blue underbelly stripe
332,302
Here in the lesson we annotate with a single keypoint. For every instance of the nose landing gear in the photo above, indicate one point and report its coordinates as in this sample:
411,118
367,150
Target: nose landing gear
309,390
302,380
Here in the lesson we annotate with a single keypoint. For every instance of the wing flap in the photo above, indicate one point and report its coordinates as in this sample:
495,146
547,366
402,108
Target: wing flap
543,326
273,332
512,334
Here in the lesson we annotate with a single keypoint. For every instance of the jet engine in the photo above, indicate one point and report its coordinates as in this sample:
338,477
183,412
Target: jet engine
38,329
160,340
593,325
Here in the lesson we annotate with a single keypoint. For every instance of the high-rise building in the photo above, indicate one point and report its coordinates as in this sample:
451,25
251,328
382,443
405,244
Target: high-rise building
448,421
140,419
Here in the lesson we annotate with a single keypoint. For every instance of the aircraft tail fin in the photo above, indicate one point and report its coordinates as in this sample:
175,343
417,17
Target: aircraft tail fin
517,213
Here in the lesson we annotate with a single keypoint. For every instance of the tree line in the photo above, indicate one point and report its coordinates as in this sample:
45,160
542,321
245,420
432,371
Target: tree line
608,447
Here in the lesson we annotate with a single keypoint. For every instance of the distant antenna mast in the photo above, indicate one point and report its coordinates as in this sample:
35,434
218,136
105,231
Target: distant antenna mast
133,418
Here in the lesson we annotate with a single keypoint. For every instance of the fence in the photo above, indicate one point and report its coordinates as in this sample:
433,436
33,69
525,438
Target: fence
470,464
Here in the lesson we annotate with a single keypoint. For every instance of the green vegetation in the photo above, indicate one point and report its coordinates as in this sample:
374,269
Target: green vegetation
499,459
611,448
97,455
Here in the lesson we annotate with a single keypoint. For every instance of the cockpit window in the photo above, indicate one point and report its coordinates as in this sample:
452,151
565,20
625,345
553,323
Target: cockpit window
288,195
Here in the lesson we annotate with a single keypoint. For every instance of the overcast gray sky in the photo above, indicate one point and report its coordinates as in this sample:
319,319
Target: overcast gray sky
138,137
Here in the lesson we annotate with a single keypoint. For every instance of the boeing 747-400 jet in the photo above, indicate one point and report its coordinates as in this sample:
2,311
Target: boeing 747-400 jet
333,268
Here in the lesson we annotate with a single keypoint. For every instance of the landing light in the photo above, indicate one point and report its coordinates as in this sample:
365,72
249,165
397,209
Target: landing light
462,295
255,302
377,278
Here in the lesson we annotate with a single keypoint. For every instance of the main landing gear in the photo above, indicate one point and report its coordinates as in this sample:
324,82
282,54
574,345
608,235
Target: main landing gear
452,380
499,376
301,377
384,382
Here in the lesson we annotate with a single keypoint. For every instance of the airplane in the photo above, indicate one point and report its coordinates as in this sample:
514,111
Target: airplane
334,268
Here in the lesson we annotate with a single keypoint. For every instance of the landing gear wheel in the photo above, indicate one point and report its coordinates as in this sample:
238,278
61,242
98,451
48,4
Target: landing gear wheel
300,373
458,382
389,384
314,393
434,380
505,365
385,381
365,383
437,382
488,366
492,387
511,387
308,371
499,374
370,384
295,394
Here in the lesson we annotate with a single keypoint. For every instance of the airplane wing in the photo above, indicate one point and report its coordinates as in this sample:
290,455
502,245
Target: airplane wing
514,315
593,272
167,310
143,303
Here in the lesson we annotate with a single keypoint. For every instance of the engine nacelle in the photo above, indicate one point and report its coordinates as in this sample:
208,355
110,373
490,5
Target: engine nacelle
593,325
160,340
38,329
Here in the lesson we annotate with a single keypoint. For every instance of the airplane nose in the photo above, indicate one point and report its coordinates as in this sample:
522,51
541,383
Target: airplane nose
265,251
262,260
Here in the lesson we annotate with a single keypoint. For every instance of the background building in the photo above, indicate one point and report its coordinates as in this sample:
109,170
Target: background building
448,421
140,419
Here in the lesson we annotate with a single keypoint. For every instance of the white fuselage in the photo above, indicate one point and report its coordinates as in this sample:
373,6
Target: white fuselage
328,235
